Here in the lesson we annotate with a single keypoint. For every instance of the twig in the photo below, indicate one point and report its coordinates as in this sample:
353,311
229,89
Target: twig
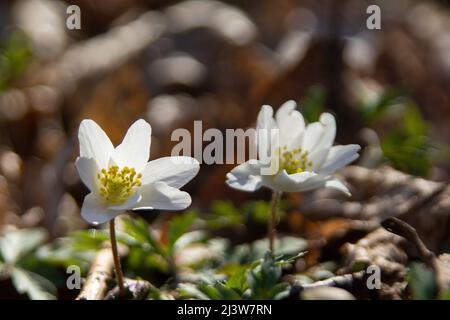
439,267
406,231
99,277
345,281
341,281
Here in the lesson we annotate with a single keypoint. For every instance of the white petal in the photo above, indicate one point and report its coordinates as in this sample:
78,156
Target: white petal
175,171
311,136
134,150
292,182
250,167
338,157
245,177
127,205
337,185
265,118
314,183
318,157
88,170
285,109
95,211
328,121
94,143
249,184
161,196
266,131
320,134
290,122
297,141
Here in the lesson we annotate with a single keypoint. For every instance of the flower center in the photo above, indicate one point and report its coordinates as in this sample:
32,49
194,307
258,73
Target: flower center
116,186
293,161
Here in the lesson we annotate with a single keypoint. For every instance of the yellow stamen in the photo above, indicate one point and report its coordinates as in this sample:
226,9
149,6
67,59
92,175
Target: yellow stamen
116,186
293,161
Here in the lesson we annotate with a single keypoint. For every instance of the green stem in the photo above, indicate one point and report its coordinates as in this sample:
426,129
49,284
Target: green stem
276,196
117,266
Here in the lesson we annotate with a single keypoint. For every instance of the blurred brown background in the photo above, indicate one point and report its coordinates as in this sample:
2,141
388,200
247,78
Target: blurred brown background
173,62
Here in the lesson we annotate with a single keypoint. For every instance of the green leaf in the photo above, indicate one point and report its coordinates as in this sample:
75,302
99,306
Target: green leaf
407,147
145,263
15,245
285,247
413,122
312,105
189,290
88,239
224,214
140,234
388,99
157,294
263,280
445,295
210,291
422,282
206,291
62,253
287,259
259,211
32,284
189,238
179,225
238,278
410,154
226,293
15,56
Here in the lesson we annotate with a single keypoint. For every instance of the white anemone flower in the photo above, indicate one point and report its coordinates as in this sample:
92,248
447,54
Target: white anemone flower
293,157
122,179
